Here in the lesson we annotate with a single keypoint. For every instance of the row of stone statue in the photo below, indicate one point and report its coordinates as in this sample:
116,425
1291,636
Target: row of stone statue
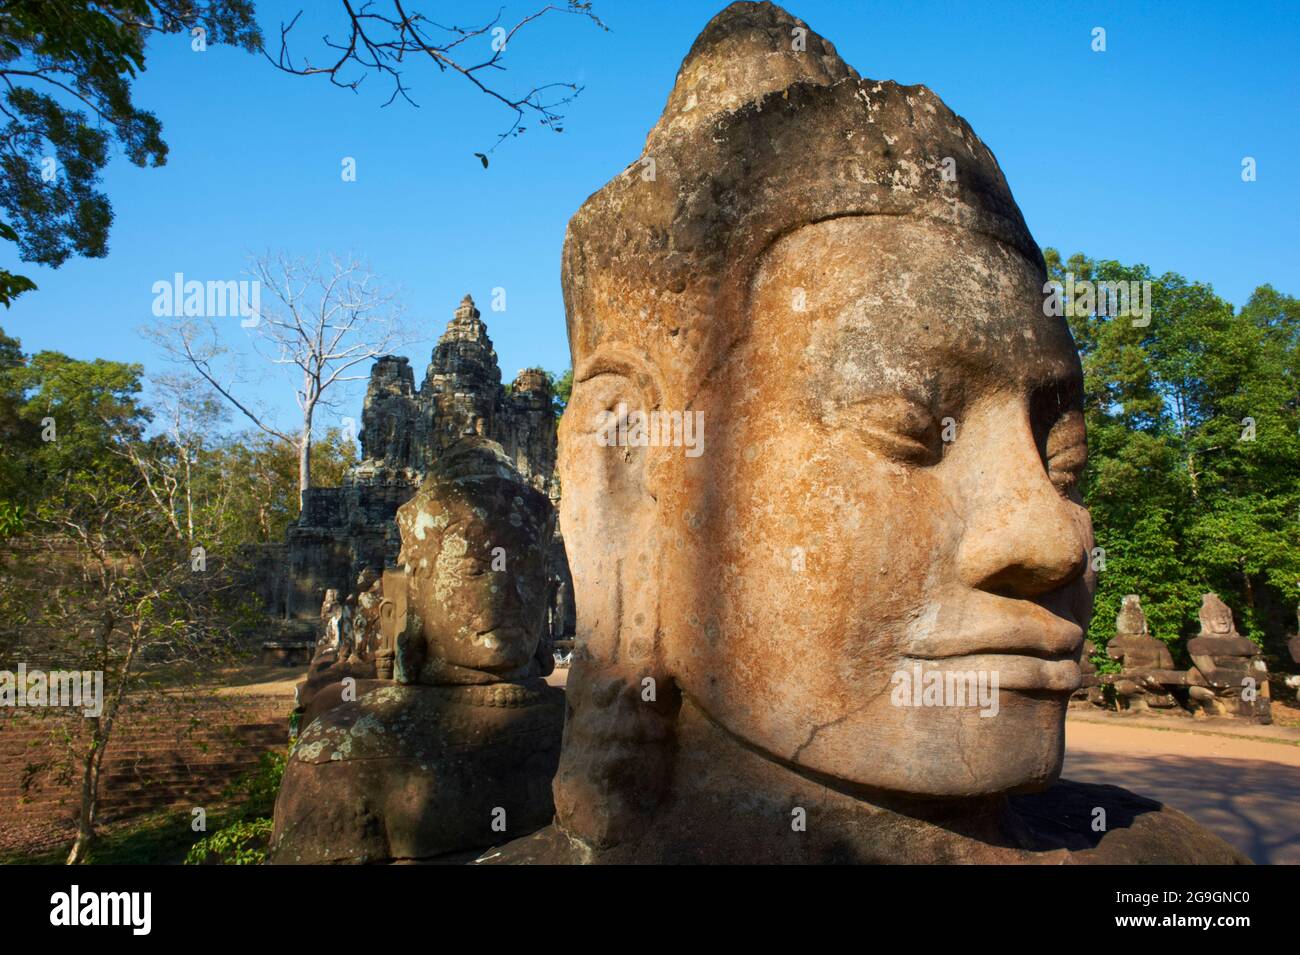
1227,677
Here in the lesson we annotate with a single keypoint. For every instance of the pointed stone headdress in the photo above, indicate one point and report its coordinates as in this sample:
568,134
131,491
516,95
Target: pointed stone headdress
767,129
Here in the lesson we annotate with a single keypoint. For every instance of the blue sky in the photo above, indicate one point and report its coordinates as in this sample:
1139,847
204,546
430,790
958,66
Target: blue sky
1133,154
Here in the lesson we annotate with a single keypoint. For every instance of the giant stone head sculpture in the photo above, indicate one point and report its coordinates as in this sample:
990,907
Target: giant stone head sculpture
831,275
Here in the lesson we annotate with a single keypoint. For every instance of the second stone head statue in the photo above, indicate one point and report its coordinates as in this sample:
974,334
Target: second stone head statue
468,601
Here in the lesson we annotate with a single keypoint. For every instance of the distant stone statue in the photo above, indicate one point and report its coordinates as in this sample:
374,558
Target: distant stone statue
1293,645
330,611
820,470
343,652
1132,620
1146,661
366,600
560,610
458,751
1233,679
470,527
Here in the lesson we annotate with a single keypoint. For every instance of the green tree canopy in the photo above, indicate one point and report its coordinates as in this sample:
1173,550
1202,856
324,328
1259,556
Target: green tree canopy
67,66
1194,445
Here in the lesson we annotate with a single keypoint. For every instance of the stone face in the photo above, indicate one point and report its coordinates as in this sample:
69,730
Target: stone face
364,603
830,278
740,809
459,751
404,430
388,421
1132,620
1233,678
474,568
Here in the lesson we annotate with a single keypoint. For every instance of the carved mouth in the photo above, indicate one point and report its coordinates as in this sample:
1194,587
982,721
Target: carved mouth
1015,671
495,637
1049,638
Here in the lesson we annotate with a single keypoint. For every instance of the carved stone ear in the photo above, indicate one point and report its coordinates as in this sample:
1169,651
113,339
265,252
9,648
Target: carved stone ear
609,502
392,609
596,439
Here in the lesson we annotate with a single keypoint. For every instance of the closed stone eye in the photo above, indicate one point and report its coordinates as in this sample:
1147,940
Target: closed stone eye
902,428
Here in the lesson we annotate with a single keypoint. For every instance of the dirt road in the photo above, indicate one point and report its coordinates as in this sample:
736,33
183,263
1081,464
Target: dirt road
1242,782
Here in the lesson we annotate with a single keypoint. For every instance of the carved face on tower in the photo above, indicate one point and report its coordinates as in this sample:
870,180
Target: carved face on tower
888,492
473,572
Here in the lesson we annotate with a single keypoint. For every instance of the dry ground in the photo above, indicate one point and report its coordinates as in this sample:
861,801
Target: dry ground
1240,781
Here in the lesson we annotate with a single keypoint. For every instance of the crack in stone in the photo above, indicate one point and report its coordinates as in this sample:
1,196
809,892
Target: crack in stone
794,757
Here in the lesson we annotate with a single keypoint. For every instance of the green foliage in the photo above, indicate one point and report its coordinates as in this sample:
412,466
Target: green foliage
246,485
100,519
11,519
100,524
245,840
58,421
562,388
257,790
61,417
11,285
1194,453
60,59
241,843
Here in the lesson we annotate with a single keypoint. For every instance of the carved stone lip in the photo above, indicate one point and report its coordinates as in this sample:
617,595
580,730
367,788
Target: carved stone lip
1015,671
1054,639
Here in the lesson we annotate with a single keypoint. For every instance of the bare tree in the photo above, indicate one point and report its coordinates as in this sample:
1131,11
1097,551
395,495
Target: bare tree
188,413
322,323
381,42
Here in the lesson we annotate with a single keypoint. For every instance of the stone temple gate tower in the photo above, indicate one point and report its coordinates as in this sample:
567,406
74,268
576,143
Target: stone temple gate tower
343,530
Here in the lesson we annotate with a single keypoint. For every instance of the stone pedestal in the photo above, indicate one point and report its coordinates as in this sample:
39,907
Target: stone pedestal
412,773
